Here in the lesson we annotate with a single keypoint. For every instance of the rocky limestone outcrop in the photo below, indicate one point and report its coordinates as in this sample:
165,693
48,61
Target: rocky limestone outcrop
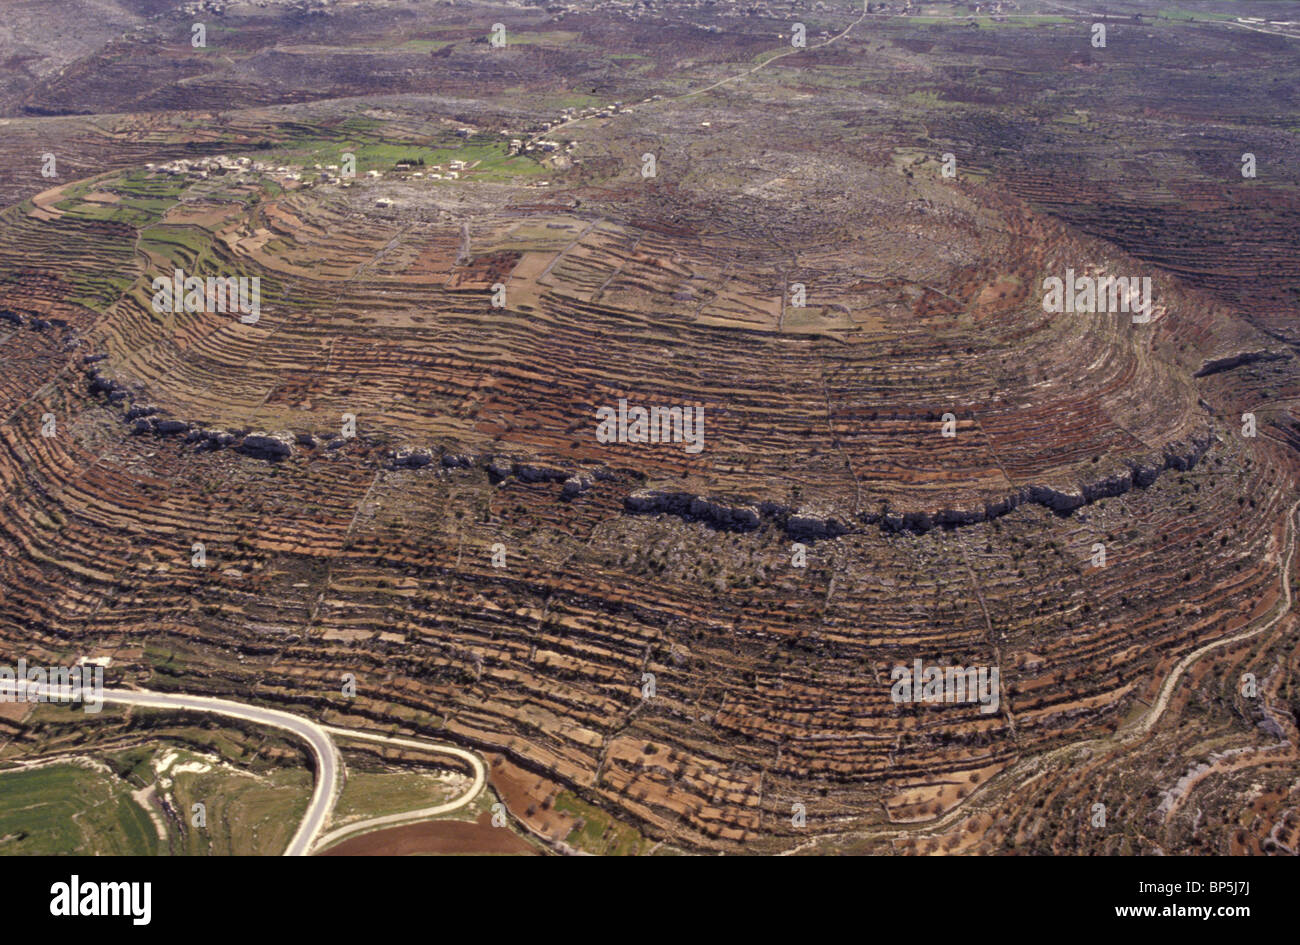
531,472
740,515
412,458
101,384
213,439
734,517
575,486
165,426
1215,365
268,445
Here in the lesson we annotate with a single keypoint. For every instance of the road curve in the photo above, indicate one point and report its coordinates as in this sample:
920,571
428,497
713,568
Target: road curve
410,816
317,737
328,763
322,748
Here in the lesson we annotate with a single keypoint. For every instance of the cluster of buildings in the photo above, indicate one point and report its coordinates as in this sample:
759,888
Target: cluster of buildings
218,7
546,146
452,171
775,9
919,7
246,168
326,174
221,165
519,146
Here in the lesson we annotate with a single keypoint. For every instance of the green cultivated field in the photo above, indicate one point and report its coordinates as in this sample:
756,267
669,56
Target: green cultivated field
379,793
247,814
254,797
495,163
599,833
70,809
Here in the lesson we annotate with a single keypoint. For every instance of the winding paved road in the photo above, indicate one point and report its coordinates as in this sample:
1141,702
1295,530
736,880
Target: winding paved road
410,816
328,764
322,748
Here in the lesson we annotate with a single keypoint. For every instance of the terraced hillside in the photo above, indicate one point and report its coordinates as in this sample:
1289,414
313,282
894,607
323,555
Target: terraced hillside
393,468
